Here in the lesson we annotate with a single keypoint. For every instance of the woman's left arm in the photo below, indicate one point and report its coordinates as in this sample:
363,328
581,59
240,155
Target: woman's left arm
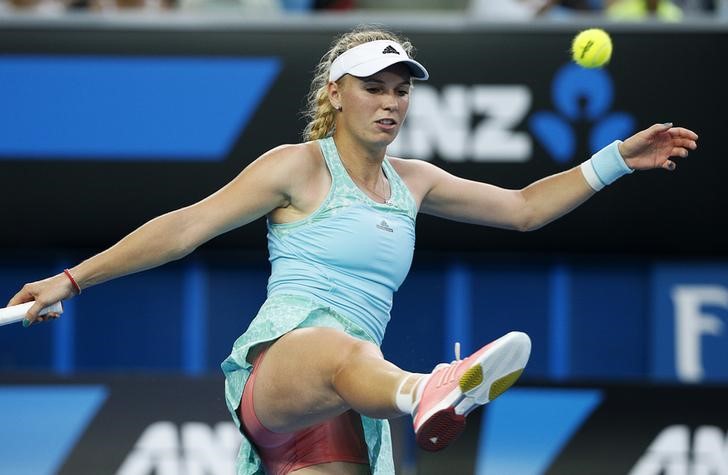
442,194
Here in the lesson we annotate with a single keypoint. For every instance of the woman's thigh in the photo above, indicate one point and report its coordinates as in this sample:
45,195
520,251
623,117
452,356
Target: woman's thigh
294,383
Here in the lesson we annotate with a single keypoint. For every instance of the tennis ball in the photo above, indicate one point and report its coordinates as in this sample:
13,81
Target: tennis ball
592,48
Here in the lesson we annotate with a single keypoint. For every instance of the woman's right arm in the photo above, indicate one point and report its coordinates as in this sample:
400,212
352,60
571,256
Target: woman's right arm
261,187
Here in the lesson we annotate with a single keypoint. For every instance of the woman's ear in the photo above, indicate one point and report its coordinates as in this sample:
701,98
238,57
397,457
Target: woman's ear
334,95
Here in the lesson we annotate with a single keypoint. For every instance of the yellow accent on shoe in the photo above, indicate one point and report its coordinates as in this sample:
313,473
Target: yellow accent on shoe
471,378
499,386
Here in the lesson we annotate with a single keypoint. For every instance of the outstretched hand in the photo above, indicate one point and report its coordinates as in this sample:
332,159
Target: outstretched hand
44,292
656,146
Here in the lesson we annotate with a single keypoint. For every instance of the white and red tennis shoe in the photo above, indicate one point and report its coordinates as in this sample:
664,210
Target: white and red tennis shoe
454,390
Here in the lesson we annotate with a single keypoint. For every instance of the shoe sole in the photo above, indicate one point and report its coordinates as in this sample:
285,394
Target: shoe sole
497,369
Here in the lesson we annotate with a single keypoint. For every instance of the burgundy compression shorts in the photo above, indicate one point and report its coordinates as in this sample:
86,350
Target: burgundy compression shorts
337,440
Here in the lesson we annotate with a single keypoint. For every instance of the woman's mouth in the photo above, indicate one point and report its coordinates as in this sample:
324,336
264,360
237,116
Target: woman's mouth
386,124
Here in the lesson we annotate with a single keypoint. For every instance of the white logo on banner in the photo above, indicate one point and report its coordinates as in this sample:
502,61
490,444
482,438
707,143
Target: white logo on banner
193,449
691,323
463,123
671,453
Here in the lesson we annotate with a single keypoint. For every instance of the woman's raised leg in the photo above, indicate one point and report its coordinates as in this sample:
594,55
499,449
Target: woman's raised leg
313,374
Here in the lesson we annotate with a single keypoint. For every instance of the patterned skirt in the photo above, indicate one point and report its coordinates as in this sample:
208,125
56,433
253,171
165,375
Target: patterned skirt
279,315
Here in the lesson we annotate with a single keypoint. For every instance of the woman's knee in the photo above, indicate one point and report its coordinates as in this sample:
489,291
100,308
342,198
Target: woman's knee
356,353
326,352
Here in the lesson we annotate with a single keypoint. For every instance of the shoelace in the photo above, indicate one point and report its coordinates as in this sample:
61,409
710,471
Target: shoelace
449,369
456,360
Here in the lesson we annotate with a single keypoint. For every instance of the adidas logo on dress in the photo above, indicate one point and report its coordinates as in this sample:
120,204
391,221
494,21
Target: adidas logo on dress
385,227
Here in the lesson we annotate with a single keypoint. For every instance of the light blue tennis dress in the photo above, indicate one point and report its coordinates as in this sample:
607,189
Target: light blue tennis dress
338,268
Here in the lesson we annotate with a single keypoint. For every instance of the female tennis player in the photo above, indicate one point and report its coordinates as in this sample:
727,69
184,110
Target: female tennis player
307,383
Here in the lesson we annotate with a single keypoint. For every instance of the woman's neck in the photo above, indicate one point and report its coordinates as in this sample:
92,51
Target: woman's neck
360,160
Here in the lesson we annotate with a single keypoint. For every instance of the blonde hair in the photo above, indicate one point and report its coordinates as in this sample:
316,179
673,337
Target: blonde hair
320,113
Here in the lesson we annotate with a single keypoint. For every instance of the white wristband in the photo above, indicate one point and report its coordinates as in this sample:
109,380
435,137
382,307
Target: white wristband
604,167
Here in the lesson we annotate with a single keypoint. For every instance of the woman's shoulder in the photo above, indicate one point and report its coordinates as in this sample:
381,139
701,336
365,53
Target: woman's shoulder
419,176
302,151
286,167
411,167
297,159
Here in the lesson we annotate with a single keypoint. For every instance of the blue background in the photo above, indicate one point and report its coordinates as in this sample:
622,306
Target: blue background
592,319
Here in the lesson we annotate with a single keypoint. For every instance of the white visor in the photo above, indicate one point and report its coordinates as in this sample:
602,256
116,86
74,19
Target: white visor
370,58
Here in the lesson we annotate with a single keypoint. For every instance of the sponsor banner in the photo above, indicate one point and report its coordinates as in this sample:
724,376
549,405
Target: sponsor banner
605,430
690,313
142,425
168,425
136,125
152,114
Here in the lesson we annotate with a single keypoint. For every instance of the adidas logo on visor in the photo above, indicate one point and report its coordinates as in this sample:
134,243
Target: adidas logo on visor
369,58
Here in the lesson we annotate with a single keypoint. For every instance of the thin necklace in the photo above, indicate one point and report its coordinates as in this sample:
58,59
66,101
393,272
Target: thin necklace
387,201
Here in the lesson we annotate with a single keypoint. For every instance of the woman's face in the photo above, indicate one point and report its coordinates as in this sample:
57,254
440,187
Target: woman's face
374,107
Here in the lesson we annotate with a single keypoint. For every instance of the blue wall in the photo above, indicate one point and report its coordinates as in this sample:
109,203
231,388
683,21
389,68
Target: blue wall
592,319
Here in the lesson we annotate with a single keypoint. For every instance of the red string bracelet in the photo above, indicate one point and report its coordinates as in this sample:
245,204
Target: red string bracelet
73,281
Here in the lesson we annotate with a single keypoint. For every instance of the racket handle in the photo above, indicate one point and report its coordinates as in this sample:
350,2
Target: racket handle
16,313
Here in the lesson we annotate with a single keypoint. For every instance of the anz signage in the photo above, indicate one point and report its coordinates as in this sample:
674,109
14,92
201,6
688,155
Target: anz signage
690,313
192,448
162,108
484,122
